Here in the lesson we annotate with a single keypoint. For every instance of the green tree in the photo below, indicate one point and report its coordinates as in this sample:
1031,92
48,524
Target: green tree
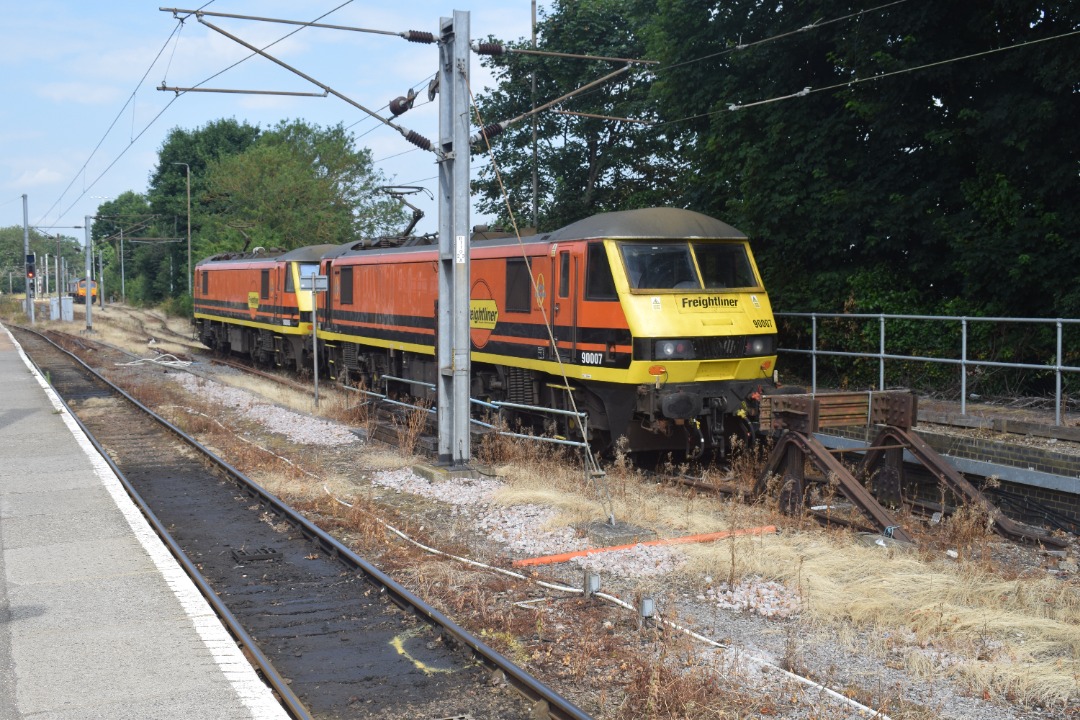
936,179
158,268
13,259
584,164
297,185
128,222
197,148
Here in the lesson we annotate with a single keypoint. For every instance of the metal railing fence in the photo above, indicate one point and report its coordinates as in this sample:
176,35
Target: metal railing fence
963,361
496,407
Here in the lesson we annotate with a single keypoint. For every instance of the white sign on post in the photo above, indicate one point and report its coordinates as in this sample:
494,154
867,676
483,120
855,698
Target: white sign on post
322,283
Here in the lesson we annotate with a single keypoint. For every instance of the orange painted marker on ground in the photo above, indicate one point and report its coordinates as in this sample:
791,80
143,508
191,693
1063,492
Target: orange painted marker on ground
706,537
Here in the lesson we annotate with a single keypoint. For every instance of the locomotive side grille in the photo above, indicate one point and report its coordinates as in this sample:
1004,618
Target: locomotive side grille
350,354
520,387
266,341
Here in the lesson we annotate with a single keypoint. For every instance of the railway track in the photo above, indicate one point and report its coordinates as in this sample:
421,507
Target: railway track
1024,509
333,635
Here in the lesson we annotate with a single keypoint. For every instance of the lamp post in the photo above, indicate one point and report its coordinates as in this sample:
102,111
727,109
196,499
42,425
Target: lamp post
187,174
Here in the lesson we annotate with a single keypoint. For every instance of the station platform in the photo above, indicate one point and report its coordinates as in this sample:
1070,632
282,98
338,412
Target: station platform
97,620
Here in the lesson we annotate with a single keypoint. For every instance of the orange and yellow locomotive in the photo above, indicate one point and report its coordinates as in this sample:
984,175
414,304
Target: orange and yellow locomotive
655,320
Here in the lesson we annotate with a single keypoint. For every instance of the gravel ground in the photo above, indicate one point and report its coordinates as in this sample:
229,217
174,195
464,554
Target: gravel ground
753,628
295,427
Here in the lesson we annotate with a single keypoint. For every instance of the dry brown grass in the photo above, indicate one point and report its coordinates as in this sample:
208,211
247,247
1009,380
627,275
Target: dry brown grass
409,425
127,328
1019,638
1000,635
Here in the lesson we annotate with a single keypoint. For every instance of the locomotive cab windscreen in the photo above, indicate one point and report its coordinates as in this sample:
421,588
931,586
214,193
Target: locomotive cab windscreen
300,270
293,279
687,266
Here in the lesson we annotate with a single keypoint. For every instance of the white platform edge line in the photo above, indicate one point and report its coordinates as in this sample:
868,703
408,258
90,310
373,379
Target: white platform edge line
252,691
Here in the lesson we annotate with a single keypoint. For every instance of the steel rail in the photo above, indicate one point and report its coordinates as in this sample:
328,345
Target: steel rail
278,684
558,707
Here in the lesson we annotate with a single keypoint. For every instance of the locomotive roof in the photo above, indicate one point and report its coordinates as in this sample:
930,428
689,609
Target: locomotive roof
660,223
311,253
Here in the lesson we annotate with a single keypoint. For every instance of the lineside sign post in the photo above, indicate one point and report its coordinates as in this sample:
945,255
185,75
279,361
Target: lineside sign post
316,284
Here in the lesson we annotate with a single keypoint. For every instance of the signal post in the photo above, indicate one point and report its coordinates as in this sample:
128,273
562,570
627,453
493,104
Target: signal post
31,270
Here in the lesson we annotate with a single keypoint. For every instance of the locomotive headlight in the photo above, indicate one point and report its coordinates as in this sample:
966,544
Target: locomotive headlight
760,344
673,350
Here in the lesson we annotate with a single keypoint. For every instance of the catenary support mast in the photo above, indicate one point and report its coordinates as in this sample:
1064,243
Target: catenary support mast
453,311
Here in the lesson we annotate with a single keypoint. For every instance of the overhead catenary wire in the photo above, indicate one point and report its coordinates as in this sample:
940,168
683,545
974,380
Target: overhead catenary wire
743,46
314,23
123,108
410,135
605,117
500,49
489,131
871,78
806,91
772,38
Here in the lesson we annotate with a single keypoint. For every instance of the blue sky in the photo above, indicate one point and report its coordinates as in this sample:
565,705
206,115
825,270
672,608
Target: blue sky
80,122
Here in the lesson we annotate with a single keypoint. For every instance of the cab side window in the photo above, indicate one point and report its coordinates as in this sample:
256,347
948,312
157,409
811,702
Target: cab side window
599,285
345,283
518,286
564,274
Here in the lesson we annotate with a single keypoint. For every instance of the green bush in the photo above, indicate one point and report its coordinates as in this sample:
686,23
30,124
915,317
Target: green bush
179,306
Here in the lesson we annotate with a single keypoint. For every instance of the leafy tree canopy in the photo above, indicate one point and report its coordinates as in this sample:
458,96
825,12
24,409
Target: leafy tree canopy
584,164
296,185
927,147
953,180
287,186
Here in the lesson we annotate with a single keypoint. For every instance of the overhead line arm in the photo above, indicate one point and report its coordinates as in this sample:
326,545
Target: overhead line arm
178,90
499,49
410,135
410,35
